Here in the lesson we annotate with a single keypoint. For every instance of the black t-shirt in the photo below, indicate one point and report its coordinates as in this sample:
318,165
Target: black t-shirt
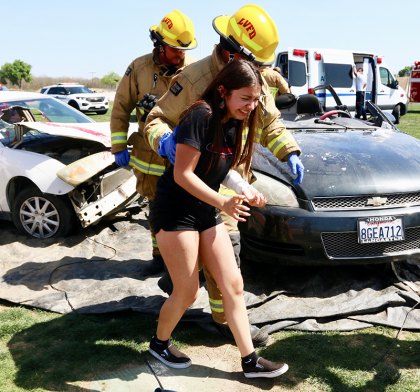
197,131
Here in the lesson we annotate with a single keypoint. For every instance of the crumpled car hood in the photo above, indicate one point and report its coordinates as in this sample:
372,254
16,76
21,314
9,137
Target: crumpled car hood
348,163
99,132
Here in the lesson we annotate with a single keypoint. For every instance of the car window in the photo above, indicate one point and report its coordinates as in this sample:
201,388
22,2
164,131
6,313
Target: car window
79,90
386,77
57,90
50,110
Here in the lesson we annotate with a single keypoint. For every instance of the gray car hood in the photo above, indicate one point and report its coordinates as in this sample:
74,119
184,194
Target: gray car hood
350,162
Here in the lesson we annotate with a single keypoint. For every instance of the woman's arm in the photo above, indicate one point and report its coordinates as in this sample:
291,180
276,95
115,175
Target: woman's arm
234,181
185,163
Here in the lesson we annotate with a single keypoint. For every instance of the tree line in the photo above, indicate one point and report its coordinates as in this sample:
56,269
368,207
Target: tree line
18,74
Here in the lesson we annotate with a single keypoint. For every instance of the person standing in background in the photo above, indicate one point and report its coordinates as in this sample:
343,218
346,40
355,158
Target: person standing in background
360,92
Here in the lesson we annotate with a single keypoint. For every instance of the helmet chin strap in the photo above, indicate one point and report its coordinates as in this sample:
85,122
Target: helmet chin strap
163,60
246,54
233,47
162,56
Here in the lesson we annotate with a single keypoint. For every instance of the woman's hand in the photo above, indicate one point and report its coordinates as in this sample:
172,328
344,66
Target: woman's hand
233,207
254,198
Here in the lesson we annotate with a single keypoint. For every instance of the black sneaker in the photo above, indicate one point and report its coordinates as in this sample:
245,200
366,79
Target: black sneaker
169,355
165,283
258,336
264,369
154,266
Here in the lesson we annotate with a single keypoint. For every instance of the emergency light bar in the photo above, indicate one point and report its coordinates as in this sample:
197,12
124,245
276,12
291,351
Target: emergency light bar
299,52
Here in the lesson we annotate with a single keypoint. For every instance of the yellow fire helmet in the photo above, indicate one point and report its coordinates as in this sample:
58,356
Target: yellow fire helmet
175,30
250,29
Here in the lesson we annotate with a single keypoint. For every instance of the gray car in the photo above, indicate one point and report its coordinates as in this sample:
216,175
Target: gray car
360,198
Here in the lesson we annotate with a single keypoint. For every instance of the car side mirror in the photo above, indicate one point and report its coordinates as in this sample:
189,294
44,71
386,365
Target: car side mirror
394,84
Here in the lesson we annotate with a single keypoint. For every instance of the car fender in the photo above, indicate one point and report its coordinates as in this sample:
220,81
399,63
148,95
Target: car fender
39,169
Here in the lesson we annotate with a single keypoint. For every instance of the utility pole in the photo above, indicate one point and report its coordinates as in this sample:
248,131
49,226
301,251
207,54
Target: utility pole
91,78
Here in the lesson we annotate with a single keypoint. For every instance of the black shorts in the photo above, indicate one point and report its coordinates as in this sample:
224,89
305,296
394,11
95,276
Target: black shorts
187,216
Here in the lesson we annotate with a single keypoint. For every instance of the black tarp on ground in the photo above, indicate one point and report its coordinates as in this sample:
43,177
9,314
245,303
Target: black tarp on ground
107,268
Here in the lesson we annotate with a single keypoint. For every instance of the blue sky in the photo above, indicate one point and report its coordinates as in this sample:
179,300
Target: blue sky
90,38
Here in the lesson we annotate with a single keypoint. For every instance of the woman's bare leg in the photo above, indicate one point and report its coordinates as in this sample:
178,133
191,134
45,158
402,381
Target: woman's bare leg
217,254
179,250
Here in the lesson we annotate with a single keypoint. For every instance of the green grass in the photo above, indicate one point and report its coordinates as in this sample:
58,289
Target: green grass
410,123
42,351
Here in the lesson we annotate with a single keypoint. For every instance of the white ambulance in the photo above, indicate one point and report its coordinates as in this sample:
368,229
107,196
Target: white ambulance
309,68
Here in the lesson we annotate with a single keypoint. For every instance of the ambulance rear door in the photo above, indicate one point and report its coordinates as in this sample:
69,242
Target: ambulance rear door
338,72
297,71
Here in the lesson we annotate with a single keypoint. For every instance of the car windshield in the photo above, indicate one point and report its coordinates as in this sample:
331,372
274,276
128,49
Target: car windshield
50,110
78,90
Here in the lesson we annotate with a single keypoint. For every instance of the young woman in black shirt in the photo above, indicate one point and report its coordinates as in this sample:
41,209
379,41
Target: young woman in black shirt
214,136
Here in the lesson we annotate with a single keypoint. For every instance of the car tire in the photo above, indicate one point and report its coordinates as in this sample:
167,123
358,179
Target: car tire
397,114
74,104
31,203
102,111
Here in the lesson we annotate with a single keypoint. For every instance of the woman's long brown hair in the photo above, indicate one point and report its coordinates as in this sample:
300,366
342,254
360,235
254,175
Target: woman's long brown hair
234,76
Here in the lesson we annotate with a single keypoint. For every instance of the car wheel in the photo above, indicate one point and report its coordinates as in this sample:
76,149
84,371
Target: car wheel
101,111
397,114
74,104
41,215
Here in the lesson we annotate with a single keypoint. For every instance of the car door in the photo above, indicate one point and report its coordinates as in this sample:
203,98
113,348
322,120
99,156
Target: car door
388,94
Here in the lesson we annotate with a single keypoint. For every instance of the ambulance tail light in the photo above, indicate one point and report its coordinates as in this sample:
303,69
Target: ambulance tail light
317,56
299,52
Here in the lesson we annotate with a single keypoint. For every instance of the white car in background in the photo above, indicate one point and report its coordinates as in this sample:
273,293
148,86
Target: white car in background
78,96
56,167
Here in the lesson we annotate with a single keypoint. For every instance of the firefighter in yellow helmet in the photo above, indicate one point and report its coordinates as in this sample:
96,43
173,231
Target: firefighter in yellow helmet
238,36
145,80
250,33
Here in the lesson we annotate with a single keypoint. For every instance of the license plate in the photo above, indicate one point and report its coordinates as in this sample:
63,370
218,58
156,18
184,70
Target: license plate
380,229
